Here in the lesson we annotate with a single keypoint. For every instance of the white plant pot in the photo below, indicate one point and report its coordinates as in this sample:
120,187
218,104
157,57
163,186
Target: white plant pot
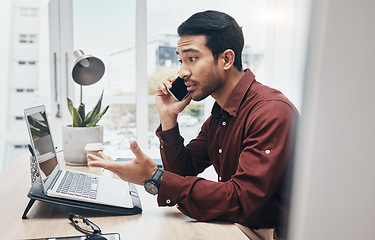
75,140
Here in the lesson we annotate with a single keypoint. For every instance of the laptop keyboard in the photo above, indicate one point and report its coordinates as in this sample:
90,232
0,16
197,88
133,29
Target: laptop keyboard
78,184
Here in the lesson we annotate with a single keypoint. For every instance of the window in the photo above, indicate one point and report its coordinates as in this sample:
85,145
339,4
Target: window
28,12
27,38
273,33
274,46
18,146
23,38
26,62
107,30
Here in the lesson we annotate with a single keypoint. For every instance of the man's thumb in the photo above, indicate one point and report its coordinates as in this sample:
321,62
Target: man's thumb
136,149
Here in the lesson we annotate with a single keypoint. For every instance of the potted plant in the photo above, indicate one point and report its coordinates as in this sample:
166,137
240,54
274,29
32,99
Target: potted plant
84,130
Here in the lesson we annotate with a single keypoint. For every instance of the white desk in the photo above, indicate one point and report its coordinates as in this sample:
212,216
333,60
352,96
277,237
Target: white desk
49,220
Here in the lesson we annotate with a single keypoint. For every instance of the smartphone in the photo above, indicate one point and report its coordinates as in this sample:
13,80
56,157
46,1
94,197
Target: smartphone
178,90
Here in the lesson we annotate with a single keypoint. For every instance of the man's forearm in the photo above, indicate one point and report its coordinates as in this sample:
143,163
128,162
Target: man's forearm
168,121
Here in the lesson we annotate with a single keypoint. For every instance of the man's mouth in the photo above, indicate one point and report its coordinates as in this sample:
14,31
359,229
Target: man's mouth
191,86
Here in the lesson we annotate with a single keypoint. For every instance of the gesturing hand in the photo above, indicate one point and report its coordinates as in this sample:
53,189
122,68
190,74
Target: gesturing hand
137,171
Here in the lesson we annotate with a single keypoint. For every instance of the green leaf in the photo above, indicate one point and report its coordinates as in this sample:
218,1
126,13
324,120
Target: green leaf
97,118
95,111
88,114
70,105
91,118
98,106
94,120
87,119
105,110
77,121
81,111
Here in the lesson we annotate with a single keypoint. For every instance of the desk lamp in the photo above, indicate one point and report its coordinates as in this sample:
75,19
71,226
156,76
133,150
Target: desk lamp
87,69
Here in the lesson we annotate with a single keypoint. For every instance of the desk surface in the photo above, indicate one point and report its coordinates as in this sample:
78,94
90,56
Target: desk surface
49,220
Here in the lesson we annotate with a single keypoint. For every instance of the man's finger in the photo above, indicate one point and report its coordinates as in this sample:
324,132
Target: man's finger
137,150
163,88
94,157
97,164
105,157
109,165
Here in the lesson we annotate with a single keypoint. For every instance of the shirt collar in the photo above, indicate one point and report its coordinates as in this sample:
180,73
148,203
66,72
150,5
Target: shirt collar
234,100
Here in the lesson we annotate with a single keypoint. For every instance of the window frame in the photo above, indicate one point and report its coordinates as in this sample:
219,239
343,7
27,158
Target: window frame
61,58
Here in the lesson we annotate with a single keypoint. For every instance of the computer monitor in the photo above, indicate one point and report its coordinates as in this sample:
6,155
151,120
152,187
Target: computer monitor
333,194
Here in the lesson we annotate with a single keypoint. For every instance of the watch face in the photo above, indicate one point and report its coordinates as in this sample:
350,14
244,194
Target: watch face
151,188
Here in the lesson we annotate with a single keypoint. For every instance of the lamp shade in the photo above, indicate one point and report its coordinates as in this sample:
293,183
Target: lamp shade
87,69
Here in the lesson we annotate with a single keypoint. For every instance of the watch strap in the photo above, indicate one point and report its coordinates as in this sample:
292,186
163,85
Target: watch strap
157,176
152,185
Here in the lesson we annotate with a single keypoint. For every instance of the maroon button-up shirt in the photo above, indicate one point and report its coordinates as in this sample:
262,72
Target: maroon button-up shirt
249,142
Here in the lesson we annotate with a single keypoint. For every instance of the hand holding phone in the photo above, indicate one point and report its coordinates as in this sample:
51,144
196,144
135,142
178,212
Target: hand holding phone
178,90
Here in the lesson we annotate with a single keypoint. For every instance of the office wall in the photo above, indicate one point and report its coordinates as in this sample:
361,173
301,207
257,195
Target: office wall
19,44
5,16
334,192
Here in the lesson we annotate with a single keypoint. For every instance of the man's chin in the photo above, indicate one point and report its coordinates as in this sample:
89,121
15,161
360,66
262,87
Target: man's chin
196,97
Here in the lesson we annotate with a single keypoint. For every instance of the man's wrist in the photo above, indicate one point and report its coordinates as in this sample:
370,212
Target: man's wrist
152,174
168,121
152,185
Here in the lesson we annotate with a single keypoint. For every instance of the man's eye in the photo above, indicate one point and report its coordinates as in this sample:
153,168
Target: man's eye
192,59
179,61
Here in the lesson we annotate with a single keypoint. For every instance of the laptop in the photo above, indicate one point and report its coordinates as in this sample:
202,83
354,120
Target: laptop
68,184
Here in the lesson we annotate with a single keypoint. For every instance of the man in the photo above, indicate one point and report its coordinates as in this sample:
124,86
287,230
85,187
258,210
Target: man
248,137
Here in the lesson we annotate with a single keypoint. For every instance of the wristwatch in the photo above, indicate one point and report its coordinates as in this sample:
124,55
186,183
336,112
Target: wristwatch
152,185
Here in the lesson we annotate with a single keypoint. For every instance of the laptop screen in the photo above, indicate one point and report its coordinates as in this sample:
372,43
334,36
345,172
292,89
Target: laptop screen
42,141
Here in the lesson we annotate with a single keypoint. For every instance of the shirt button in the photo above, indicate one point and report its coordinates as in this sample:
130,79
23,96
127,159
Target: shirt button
224,123
168,201
268,151
220,150
161,146
219,178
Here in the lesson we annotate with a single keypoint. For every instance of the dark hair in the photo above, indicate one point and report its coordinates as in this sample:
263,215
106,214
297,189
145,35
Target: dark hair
221,30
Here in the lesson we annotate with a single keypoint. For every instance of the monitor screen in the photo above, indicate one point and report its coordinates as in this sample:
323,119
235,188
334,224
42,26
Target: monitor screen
42,141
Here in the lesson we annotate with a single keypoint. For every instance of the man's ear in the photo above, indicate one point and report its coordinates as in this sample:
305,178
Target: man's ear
228,59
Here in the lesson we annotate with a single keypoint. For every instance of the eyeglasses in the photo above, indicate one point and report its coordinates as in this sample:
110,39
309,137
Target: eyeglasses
84,228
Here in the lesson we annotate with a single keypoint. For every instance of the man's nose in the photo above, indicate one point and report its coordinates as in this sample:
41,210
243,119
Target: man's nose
184,72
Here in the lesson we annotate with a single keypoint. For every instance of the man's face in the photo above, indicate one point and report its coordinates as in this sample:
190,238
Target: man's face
198,67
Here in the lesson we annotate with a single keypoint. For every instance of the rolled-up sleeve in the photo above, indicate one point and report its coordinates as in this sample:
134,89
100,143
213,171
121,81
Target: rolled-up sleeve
168,194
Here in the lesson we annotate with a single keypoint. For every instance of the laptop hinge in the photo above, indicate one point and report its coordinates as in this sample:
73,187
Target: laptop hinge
55,180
